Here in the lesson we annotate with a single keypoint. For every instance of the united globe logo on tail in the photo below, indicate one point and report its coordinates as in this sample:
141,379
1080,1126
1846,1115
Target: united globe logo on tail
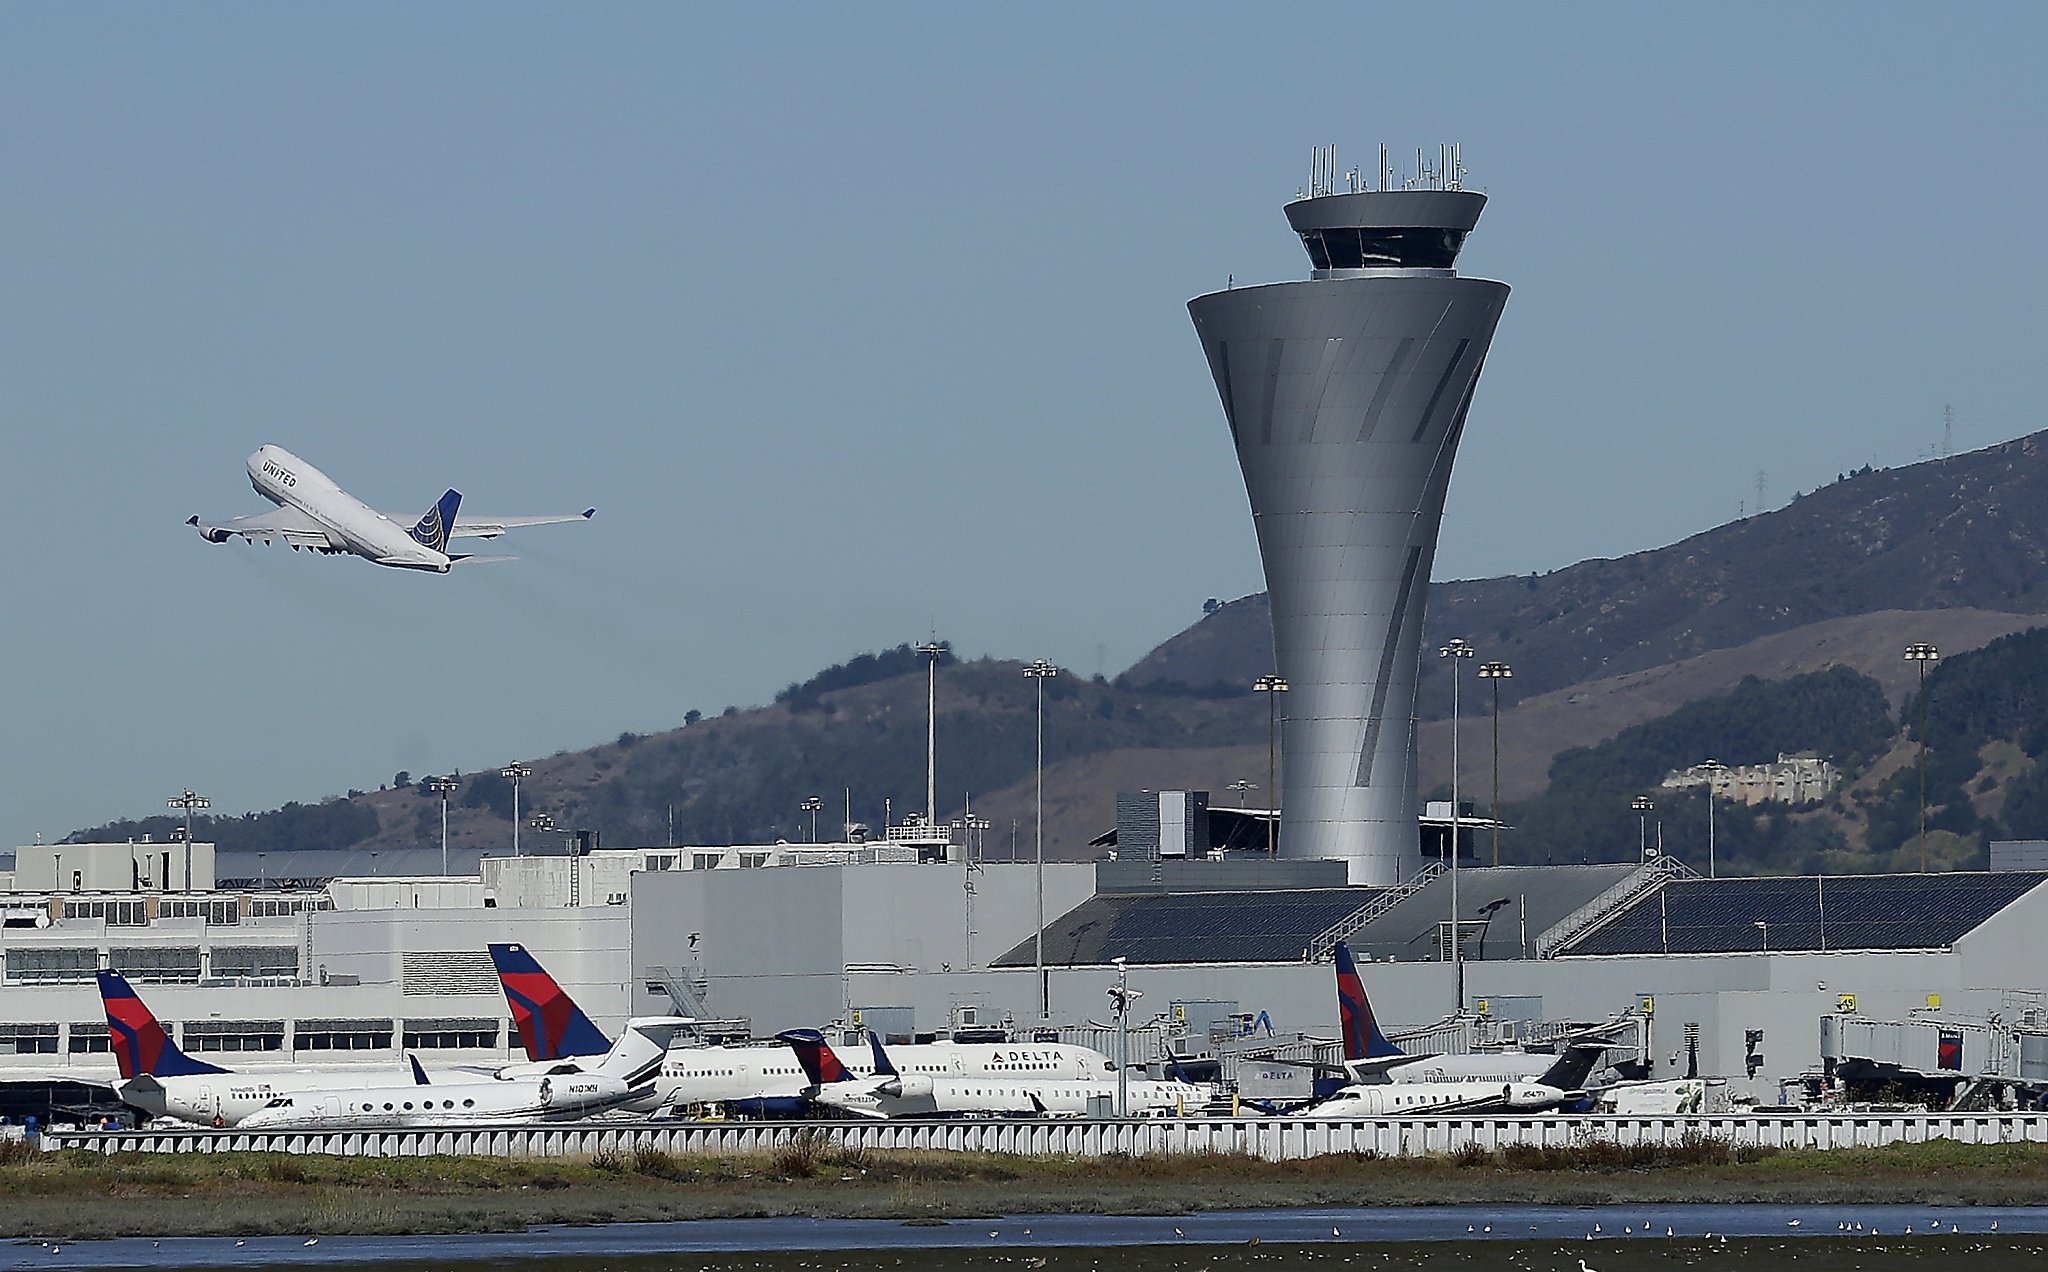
1362,1037
433,529
140,1043
551,1026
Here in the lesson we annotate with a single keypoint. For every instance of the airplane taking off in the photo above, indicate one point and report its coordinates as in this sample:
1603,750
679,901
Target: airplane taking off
163,1081
887,1093
623,1076
313,512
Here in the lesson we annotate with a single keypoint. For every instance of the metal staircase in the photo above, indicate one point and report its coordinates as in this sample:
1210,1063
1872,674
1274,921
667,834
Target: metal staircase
1646,878
1325,942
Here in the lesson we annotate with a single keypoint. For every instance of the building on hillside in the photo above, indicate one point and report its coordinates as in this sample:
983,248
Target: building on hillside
1790,779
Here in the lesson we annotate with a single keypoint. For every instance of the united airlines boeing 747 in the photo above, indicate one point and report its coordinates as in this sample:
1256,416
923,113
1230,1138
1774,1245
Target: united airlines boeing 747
313,512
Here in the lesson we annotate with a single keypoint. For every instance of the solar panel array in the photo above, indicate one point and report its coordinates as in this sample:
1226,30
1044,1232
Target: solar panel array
1838,912
1263,926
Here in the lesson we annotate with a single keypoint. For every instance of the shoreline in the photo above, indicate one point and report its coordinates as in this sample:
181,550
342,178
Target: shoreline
80,1195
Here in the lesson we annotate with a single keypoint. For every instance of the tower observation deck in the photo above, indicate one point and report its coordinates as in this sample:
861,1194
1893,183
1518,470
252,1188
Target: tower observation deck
1346,397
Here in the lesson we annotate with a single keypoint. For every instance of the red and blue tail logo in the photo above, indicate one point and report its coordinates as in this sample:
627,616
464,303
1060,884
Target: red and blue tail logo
551,1026
140,1044
1362,1037
820,1063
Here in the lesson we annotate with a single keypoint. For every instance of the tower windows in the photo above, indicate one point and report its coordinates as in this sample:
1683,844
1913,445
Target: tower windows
1425,247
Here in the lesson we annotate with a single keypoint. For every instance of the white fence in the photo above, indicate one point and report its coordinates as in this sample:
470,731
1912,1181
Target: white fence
1271,1139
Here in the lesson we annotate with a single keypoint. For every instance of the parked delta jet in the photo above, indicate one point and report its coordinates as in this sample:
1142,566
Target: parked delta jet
754,1081
313,512
1370,1057
886,1093
163,1081
621,1077
551,1026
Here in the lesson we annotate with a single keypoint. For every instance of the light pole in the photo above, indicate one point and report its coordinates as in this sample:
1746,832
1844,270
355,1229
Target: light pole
1120,1002
1272,686
933,650
1496,671
1642,806
518,773
188,802
1920,653
1713,769
444,787
1457,651
1764,927
1241,786
1041,671
811,806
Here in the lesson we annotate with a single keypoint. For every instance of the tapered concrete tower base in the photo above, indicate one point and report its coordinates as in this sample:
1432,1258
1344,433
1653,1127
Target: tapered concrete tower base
1346,396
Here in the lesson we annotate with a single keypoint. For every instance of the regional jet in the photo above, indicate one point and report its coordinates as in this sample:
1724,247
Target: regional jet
316,514
885,1092
163,1081
752,1080
1370,1057
620,1078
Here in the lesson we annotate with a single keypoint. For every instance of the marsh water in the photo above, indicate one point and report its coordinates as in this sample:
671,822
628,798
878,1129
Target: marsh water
1436,1239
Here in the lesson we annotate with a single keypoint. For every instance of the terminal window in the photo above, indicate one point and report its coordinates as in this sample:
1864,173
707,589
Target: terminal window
115,913
89,1038
344,1035
450,1033
28,1039
213,912
234,1035
54,965
256,962
157,965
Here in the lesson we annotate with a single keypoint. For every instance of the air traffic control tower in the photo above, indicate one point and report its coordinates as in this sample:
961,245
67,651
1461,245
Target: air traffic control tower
1346,396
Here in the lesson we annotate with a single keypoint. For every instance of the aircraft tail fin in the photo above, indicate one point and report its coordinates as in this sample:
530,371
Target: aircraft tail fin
419,1073
551,1025
1362,1037
643,1044
820,1063
1574,1066
432,530
141,1045
884,1068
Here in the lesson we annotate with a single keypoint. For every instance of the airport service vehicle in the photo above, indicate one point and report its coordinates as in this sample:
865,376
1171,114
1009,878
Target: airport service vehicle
163,1081
314,513
887,1093
624,1073
759,1081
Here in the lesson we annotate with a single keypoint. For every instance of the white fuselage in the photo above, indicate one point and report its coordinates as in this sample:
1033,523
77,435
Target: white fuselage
1404,1099
224,1099
722,1075
550,1099
350,524
917,1096
1495,1067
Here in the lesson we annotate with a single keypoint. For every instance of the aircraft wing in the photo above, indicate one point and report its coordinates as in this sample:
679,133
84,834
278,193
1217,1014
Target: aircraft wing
288,524
492,527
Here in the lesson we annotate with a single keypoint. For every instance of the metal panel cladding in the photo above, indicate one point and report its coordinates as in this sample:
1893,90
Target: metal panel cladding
1346,396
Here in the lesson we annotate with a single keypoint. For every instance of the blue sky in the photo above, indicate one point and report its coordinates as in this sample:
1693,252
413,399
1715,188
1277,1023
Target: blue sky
860,322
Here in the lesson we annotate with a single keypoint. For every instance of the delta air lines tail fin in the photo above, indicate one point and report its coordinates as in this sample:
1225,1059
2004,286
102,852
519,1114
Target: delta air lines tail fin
551,1025
1362,1037
820,1063
433,529
140,1043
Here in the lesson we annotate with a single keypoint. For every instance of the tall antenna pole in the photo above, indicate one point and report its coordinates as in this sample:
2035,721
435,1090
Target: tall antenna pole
1948,431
